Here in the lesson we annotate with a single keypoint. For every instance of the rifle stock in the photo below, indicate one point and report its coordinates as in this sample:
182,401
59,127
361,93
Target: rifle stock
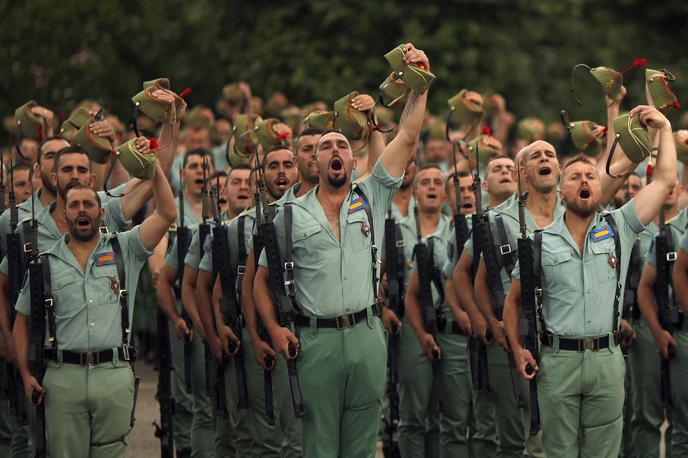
165,429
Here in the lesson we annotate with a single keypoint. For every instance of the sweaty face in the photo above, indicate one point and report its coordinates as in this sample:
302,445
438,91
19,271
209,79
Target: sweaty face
239,190
466,196
581,189
83,214
430,190
500,178
541,167
280,172
73,170
335,159
305,154
192,174
45,165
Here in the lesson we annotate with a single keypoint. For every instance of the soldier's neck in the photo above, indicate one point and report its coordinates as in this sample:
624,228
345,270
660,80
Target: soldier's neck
196,203
305,187
541,206
402,199
331,197
82,249
496,200
46,197
428,221
578,226
58,214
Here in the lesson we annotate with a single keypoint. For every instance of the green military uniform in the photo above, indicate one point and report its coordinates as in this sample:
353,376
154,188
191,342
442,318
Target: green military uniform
183,409
678,442
643,361
88,406
512,419
203,433
581,391
419,422
342,371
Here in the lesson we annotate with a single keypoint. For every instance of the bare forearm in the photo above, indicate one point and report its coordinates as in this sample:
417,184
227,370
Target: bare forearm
483,299
464,286
165,294
666,169
164,199
263,300
512,314
414,311
680,279
137,193
648,304
188,297
450,297
5,312
169,139
21,342
204,288
248,306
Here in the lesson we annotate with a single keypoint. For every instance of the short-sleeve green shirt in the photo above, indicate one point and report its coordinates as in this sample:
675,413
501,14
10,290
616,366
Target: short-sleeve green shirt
87,309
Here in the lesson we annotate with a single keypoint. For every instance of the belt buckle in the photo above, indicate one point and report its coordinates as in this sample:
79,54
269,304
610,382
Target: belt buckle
345,321
125,352
589,343
88,359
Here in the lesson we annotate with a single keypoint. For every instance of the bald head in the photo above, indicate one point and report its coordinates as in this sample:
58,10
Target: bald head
537,145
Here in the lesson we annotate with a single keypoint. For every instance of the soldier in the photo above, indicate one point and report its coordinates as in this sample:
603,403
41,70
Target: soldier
20,182
89,388
341,350
679,395
194,424
581,371
282,439
499,184
652,409
403,203
423,426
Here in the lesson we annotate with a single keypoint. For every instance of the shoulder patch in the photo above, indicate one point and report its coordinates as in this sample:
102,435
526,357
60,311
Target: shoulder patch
356,205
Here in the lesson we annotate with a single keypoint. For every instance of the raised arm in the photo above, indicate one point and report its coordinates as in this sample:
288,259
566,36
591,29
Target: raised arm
651,198
154,227
400,150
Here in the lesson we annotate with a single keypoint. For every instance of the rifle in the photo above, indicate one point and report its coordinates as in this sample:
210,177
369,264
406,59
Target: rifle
231,314
283,300
203,232
531,294
394,255
424,262
668,314
630,308
39,275
165,430
16,271
183,241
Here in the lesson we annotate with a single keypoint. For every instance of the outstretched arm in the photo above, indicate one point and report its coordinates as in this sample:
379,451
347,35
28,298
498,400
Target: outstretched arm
400,150
154,227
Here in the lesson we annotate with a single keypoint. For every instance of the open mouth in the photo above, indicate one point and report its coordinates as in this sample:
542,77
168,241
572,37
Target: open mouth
281,181
242,197
223,201
432,196
199,181
545,171
336,164
584,193
505,180
467,205
83,222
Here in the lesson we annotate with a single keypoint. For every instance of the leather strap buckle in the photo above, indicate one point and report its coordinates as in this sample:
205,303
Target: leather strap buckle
671,256
89,358
589,343
505,249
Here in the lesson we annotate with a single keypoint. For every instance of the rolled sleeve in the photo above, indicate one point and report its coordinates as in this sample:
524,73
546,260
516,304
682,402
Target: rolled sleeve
193,254
135,245
206,263
171,258
631,218
516,273
23,304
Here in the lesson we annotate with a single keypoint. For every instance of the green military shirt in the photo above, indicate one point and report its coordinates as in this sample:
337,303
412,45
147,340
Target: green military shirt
439,253
678,226
88,314
191,221
334,277
578,290
449,235
396,213
509,215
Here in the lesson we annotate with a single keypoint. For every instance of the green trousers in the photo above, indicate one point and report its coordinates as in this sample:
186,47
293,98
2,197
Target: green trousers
14,437
512,418
679,394
342,375
418,416
5,428
482,431
203,423
183,401
648,412
283,439
581,396
88,409
627,450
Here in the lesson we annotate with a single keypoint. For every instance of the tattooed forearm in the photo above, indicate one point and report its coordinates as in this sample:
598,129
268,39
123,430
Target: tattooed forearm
411,103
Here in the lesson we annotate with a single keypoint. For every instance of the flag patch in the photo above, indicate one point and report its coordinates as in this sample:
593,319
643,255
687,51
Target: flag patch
104,259
601,234
356,205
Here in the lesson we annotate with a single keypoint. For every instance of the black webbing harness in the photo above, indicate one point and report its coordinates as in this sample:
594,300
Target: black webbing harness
537,254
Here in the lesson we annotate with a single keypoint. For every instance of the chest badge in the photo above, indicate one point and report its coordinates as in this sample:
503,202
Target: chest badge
114,285
611,260
365,228
602,233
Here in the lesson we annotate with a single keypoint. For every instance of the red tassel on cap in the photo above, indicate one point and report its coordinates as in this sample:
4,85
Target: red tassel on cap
153,143
423,66
637,63
185,92
648,171
606,127
677,105
283,136
487,131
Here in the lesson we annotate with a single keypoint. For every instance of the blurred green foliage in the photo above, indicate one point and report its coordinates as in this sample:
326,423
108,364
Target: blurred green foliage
58,52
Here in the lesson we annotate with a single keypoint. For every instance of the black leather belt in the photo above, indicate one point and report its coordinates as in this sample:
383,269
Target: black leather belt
580,345
338,322
90,358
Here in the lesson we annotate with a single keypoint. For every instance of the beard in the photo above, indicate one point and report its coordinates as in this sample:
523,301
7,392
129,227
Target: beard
83,234
45,179
337,182
583,210
62,190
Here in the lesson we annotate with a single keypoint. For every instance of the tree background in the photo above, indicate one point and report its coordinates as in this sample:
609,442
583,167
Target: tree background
58,52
